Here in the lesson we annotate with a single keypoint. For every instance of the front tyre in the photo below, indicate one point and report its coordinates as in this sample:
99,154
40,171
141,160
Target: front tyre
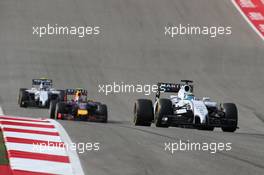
163,108
230,118
60,110
102,111
52,108
61,96
23,97
143,112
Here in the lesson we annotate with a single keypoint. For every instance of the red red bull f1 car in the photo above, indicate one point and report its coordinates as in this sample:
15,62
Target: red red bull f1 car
76,106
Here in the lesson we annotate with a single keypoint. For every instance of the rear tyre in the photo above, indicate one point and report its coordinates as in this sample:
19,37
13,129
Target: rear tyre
143,112
231,117
164,107
60,110
52,108
102,110
23,97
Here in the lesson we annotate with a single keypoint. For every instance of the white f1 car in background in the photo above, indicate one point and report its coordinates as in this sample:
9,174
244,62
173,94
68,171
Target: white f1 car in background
183,109
40,94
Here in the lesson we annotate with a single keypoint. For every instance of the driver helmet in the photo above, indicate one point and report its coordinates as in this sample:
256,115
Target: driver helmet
78,97
42,86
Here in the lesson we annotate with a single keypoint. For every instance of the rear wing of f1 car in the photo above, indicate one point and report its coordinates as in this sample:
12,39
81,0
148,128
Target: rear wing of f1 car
46,82
74,91
172,87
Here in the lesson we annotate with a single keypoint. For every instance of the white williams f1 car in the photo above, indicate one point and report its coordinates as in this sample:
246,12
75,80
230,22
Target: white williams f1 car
40,94
183,109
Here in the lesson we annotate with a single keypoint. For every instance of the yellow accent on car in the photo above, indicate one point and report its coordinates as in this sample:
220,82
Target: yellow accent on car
82,112
44,78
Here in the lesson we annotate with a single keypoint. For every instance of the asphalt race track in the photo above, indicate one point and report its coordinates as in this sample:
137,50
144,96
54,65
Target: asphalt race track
132,48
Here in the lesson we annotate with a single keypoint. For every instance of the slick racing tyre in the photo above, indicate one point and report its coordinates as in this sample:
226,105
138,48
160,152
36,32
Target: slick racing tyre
23,97
52,108
143,112
102,110
231,117
164,107
61,95
60,110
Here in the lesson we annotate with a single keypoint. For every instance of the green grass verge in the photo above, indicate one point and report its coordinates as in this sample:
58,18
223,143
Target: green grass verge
3,152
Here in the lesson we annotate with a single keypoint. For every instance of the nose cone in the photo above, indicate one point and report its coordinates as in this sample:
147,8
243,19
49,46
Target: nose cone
200,110
43,98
